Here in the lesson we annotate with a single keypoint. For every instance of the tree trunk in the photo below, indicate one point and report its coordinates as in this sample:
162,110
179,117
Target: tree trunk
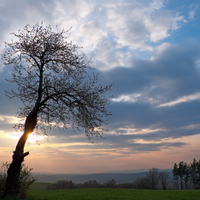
181,182
12,187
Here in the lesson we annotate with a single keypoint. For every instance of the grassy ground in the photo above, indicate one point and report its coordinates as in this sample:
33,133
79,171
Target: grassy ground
39,186
114,194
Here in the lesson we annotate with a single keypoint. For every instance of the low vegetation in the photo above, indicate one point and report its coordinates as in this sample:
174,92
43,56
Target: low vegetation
153,180
114,194
25,179
185,176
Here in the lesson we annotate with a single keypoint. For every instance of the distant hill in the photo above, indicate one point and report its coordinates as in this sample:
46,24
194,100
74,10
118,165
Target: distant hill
120,177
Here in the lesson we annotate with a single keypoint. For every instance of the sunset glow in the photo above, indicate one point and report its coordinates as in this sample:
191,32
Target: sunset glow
33,138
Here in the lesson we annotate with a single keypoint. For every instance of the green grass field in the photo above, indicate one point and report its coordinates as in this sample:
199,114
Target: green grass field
38,193
39,186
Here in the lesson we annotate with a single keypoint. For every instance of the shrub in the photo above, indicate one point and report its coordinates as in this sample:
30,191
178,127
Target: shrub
61,185
91,184
110,184
25,178
141,183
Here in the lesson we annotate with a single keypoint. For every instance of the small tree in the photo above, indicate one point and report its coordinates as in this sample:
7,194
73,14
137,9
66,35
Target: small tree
54,85
163,178
176,175
181,172
25,178
193,173
186,175
153,177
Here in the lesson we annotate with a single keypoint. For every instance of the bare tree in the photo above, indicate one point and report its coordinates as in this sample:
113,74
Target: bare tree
55,85
153,178
164,178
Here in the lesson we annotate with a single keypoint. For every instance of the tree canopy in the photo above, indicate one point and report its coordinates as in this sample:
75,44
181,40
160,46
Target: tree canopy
53,78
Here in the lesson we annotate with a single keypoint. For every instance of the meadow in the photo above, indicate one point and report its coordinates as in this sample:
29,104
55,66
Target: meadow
38,193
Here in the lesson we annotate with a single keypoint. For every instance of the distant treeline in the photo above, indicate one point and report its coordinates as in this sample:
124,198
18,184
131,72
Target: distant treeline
153,180
185,176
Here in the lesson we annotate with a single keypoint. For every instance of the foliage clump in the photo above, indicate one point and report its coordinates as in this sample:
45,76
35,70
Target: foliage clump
61,185
25,179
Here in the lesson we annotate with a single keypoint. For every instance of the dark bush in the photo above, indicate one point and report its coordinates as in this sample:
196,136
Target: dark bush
141,183
91,184
25,179
110,184
61,185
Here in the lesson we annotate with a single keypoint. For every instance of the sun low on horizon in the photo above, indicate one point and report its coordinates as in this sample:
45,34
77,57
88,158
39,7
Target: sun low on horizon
33,137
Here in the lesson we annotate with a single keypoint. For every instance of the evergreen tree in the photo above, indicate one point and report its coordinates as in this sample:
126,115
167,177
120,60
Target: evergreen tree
176,175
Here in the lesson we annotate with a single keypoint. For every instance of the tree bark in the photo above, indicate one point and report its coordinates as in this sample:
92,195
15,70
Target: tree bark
12,187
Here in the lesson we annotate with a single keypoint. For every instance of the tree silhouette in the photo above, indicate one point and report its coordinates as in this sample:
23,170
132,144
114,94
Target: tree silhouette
182,171
195,173
55,85
164,178
153,177
176,175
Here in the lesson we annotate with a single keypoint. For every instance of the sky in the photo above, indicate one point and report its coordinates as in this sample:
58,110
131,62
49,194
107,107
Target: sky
150,50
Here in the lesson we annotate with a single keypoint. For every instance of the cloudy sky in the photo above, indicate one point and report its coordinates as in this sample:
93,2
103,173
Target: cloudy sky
150,49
